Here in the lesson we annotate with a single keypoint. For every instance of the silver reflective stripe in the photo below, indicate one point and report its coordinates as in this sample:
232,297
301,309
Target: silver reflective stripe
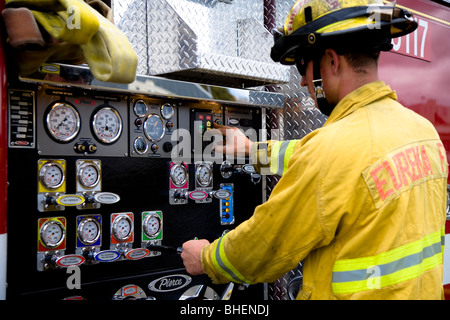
281,154
222,265
388,268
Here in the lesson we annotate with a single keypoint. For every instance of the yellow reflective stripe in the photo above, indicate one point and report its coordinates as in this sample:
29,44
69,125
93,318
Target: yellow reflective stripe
281,152
288,154
275,150
223,265
388,268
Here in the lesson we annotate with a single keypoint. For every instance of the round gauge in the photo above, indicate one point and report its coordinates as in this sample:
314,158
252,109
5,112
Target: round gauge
88,231
203,174
52,234
140,108
51,175
89,175
152,225
122,228
140,145
178,175
154,128
107,125
63,122
167,111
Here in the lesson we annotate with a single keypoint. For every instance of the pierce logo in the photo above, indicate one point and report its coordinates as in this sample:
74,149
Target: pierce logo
170,283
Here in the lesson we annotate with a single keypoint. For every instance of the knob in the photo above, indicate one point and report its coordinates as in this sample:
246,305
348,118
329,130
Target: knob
168,146
154,147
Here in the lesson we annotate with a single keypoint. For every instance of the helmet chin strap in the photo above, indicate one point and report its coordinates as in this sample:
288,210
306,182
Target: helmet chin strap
322,102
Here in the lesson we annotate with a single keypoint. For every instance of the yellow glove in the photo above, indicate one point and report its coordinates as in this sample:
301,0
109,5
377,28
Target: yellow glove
109,54
65,20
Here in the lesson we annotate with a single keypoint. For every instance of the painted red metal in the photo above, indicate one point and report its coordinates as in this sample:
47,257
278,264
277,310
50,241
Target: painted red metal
419,69
3,136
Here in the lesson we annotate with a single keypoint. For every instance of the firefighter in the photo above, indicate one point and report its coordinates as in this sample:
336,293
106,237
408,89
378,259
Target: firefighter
362,200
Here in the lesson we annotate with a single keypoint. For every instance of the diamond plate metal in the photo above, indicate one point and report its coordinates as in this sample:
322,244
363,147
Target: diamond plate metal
130,16
206,41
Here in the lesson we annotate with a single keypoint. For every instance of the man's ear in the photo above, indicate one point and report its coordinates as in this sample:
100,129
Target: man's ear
333,59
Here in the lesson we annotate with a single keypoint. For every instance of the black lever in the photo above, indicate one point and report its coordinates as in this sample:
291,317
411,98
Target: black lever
161,248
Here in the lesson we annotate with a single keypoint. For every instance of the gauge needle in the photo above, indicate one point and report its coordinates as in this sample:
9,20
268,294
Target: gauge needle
59,125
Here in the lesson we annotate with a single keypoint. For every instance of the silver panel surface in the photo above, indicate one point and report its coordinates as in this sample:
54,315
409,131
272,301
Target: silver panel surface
206,41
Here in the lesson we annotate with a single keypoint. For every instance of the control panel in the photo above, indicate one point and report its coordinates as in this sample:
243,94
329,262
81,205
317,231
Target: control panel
112,183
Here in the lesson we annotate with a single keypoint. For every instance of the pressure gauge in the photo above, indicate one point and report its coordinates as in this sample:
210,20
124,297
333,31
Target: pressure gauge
140,108
167,111
140,145
89,175
88,231
51,175
107,125
63,122
122,228
203,175
152,225
178,175
154,128
52,234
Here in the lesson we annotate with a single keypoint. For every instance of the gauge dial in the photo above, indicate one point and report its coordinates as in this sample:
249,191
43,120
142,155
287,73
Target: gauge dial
203,174
122,228
52,234
140,108
63,122
88,231
152,225
89,175
167,111
51,175
178,175
154,128
140,145
107,125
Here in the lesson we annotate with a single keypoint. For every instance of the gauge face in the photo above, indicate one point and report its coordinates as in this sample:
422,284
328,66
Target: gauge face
203,175
140,145
51,175
167,111
63,122
152,225
154,128
107,125
122,228
52,234
178,175
89,175
88,231
140,108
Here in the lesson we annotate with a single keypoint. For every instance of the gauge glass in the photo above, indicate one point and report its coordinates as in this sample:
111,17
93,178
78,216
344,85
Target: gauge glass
140,145
154,128
204,175
152,225
51,175
63,122
122,228
52,234
140,108
178,175
88,231
167,111
89,176
107,125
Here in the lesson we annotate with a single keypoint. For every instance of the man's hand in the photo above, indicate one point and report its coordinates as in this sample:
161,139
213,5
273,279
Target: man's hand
237,144
191,256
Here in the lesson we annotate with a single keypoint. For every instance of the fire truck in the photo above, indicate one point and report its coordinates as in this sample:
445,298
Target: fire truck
101,182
